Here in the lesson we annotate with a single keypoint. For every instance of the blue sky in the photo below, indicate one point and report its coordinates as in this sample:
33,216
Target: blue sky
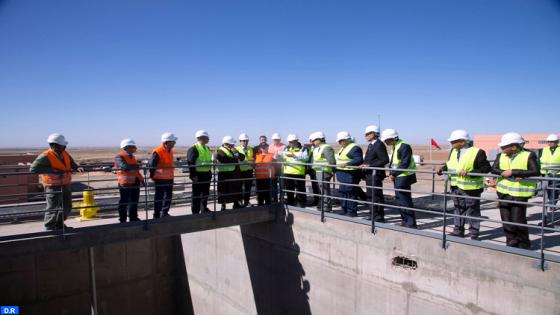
100,71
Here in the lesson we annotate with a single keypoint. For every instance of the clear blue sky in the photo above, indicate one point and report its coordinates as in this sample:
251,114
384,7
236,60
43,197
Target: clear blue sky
99,71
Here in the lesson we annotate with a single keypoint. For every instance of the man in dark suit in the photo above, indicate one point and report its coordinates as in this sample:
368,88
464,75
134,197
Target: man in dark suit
376,156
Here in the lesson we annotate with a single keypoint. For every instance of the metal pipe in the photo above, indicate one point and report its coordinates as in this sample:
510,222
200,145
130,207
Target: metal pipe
93,281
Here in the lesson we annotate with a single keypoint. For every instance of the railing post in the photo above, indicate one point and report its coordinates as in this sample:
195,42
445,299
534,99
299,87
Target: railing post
444,236
215,194
543,216
146,198
93,282
373,172
321,185
433,181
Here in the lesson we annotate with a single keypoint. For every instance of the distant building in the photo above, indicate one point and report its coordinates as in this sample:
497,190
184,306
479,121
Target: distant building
489,143
17,188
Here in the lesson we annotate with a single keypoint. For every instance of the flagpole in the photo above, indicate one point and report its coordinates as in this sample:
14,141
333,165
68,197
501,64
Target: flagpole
431,150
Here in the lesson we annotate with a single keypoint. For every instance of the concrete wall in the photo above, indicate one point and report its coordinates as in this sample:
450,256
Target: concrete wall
303,266
137,277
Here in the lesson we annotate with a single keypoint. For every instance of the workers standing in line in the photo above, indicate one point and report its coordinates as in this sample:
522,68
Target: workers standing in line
162,172
376,156
229,186
550,166
294,157
464,158
515,164
402,158
55,166
129,180
246,167
312,174
321,156
276,148
199,159
348,158
264,173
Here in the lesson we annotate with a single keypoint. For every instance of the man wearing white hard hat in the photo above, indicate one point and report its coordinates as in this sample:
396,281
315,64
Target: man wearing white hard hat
246,167
376,156
199,159
229,186
55,167
348,158
162,172
294,155
322,158
129,180
550,166
464,158
515,164
401,158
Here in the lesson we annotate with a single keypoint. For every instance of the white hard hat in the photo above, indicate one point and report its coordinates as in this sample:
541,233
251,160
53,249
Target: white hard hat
200,133
168,136
343,135
243,136
459,134
510,138
57,138
276,136
316,135
127,142
228,140
552,137
292,137
389,134
371,128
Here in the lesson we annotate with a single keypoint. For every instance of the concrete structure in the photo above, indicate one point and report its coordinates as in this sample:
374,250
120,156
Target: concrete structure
14,187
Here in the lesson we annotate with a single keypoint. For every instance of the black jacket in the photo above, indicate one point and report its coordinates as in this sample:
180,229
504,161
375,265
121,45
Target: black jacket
376,156
533,168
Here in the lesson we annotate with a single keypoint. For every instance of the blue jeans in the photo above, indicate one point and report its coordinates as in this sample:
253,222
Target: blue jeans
348,192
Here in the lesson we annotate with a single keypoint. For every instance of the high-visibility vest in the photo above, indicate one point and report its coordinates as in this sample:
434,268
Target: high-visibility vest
511,186
204,159
550,160
247,164
292,165
225,168
128,177
263,165
164,167
464,163
395,161
52,179
343,159
319,159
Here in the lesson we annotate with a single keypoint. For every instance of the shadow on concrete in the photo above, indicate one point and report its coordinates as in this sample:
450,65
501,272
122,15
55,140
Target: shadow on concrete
277,275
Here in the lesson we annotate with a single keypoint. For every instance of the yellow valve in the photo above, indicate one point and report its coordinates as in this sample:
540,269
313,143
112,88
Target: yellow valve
88,210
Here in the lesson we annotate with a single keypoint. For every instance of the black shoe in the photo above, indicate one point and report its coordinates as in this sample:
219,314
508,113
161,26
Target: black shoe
223,207
134,219
352,214
301,205
474,237
156,215
237,206
457,233
165,214
205,210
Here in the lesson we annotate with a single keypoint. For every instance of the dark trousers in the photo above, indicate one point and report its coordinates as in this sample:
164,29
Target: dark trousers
128,204
200,191
466,207
516,236
314,185
296,184
376,195
247,185
264,191
163,197
59,205
553,192
349,193
404,199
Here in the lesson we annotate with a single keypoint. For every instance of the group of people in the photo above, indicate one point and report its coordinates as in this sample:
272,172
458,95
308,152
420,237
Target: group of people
239,166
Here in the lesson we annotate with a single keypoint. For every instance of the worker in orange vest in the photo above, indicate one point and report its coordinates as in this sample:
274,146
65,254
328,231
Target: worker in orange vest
162,172
129,180
264,173
276,148
55,167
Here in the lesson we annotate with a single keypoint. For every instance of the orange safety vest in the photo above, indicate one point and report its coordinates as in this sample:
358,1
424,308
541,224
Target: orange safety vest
263,166
128,177
51,179
164,168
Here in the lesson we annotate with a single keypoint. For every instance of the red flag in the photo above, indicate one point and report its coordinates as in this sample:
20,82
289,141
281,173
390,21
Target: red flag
435,144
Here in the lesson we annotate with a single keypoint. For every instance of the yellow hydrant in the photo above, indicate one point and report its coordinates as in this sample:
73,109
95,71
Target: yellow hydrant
88,210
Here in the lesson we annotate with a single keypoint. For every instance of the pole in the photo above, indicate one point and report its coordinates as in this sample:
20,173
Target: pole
543,215
444,236
93,283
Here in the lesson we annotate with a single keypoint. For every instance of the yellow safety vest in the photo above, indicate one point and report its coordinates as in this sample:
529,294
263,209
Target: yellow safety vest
342,158
464,163
396,161
204,160
291,166
247,164
225,168
511,186
319,159
550,160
